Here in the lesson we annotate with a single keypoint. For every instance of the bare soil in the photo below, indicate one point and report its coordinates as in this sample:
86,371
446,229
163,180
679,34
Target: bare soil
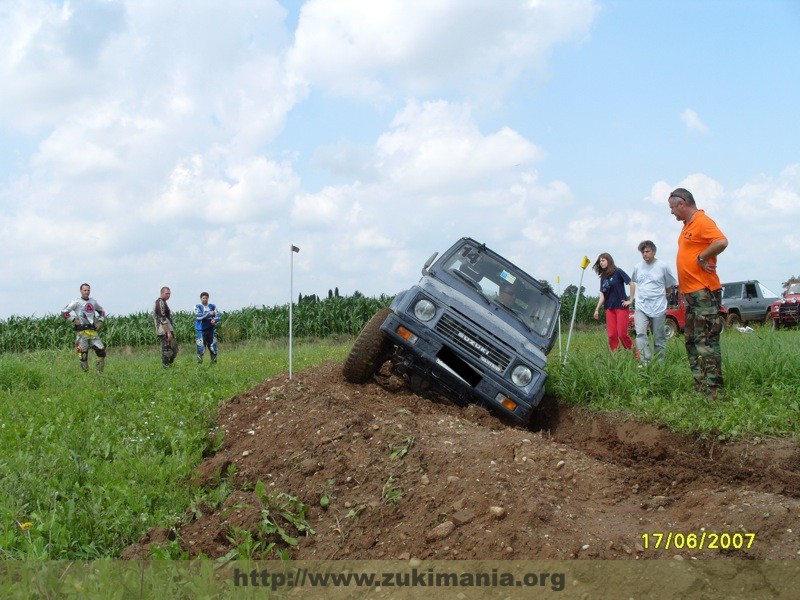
408,477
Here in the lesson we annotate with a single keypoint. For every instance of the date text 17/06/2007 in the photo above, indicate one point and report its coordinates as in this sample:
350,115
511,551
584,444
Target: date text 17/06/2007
704,540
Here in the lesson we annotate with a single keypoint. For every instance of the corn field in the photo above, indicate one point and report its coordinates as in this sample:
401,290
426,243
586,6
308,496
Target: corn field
585,312
331,316
338,315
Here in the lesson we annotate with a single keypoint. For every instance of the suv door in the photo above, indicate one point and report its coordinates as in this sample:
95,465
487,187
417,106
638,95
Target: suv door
752,304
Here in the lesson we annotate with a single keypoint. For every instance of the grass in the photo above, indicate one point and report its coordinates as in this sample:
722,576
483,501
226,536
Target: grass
761,371
89,462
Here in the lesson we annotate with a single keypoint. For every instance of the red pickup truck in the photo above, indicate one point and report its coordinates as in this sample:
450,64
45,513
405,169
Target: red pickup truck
786,311
676,315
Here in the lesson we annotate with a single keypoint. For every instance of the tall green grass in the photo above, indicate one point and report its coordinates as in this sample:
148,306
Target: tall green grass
89,462
761,372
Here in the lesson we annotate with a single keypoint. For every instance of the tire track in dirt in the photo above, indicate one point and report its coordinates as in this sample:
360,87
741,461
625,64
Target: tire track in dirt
661,456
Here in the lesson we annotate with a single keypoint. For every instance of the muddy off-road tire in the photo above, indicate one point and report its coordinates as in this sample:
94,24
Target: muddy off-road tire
371,349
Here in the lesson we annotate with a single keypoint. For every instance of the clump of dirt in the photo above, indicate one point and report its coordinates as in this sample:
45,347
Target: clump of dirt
387,474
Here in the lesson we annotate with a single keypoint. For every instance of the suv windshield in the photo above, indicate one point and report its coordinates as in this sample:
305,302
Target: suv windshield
505,285
794,288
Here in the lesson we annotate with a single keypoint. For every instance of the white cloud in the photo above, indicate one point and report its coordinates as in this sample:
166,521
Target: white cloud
693,122
153,128
155,151
377,49
148,124
706,191
325,210
762,194
438,145
50,58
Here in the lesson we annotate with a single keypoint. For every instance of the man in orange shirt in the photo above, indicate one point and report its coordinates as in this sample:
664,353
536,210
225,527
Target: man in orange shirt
699,244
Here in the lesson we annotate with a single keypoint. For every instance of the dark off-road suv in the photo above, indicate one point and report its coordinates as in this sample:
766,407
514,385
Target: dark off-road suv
476,328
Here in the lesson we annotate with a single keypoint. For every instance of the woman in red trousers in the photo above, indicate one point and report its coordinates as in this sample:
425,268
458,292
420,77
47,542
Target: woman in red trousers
614,297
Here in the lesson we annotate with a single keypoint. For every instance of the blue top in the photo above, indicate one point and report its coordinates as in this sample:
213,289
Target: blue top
203,320
613,289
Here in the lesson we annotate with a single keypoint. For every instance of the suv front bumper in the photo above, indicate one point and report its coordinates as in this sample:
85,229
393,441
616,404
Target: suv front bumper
428,354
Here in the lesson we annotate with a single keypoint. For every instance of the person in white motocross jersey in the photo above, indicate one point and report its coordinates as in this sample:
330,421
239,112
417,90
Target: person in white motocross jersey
87,318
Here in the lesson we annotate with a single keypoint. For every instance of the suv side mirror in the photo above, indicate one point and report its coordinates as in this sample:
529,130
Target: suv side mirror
429,262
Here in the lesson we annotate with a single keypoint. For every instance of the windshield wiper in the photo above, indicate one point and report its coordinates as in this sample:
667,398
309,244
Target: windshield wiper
469,280
518,315
473,284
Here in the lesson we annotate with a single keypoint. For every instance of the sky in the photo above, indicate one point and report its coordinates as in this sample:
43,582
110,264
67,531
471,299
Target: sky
191,143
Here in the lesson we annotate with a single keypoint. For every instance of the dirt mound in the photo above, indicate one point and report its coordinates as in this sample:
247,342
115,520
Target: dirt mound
389,475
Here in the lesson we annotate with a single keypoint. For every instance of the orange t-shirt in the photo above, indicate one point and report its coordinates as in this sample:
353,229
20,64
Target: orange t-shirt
695,237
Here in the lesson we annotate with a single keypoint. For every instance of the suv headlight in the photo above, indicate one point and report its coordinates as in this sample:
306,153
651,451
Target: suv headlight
521,375
424,310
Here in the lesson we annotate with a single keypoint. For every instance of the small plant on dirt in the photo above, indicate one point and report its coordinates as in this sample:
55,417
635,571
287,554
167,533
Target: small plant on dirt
354,512
210,500
170,551
325,495
214,440
279,506
246,547
391,494
398,452
282,518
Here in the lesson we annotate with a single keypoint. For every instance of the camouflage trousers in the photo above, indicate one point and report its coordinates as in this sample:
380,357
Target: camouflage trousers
701,333
169,350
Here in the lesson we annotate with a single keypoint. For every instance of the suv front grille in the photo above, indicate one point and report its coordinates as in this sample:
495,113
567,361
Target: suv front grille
790,310
473,343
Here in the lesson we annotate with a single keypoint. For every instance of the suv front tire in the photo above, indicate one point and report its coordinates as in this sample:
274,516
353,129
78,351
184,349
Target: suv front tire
371,349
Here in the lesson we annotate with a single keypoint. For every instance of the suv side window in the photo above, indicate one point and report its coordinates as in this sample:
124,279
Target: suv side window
732,291
750,290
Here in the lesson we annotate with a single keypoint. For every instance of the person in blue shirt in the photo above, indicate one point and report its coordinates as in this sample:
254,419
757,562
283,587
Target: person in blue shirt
205,324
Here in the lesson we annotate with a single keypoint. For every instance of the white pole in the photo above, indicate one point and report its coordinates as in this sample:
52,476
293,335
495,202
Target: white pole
292,250
558,283
584,264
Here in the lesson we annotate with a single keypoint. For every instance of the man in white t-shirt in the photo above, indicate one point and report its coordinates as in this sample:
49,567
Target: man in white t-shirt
651,282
